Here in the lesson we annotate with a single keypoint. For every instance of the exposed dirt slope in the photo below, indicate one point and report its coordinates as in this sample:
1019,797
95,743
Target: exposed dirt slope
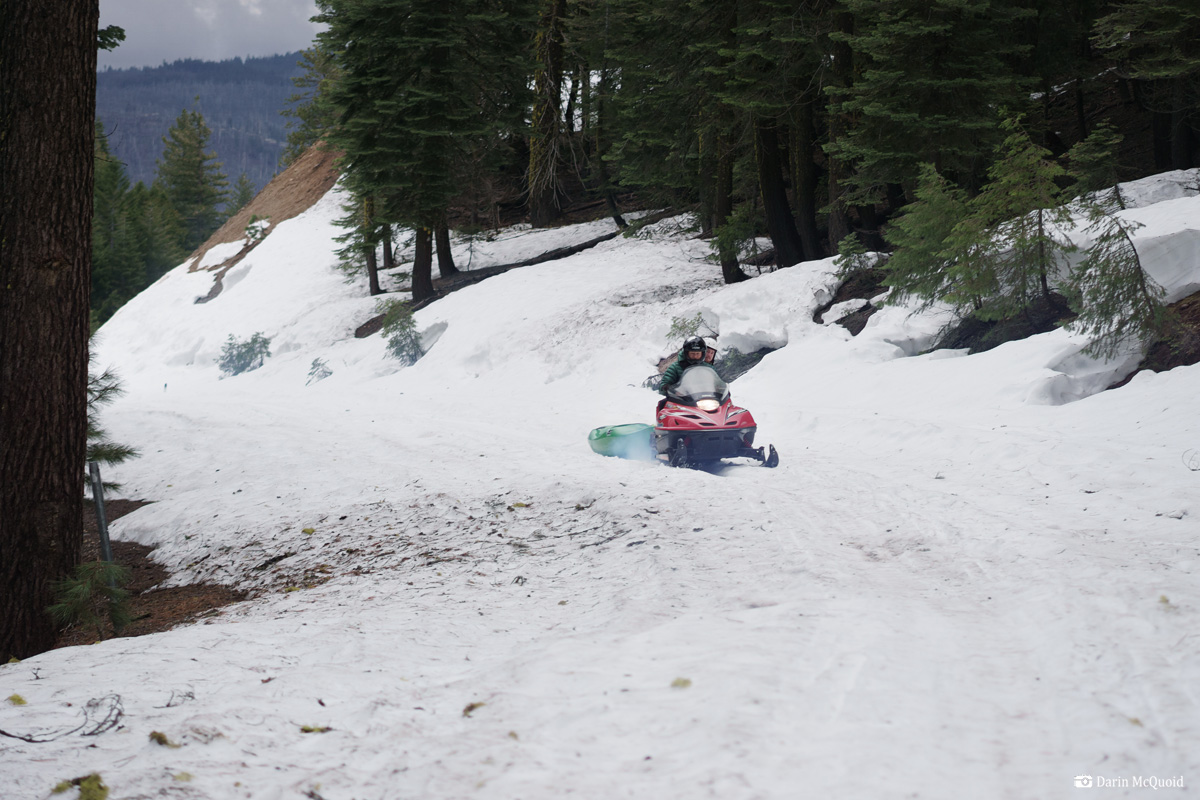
290,193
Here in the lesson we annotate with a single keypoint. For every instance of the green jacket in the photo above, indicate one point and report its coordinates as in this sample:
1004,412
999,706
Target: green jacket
673,373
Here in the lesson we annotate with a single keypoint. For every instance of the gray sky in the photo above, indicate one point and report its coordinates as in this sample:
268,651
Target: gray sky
211,30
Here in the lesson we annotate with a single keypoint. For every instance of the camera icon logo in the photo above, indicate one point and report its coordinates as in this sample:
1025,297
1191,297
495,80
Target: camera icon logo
1083,781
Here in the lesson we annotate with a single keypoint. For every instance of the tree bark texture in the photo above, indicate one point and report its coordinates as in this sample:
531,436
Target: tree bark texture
1181,131
368,223
804,180
373,272
599,130
707,164
780,224
445,258
842,75
47,110
545,132
731,271
388,249
422,271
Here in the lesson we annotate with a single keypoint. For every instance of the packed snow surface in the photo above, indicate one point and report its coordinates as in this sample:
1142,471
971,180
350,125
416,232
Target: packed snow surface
971,575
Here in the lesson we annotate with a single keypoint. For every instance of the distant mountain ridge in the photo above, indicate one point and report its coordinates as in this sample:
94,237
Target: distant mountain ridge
241,100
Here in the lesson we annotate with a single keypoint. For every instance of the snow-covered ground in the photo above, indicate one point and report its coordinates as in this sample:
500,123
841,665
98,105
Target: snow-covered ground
970,576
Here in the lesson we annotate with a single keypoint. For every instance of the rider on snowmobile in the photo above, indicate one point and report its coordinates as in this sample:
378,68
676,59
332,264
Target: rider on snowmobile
693,352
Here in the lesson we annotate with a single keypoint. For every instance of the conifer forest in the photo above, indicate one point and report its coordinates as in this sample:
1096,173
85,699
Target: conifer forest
926,131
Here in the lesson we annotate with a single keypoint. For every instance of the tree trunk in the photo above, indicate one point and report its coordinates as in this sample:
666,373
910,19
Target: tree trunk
841,76
445,258
708,164
47,110
546,126
1080,109
569,114
780,224
1181,138
373,272
804,181
723,207
869,231
368,234
1160,128
388,248
422,271
600,128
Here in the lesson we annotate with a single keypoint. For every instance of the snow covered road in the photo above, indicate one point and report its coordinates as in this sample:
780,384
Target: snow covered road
949,588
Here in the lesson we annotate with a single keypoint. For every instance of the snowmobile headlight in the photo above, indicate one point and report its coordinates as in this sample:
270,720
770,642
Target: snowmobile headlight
708,405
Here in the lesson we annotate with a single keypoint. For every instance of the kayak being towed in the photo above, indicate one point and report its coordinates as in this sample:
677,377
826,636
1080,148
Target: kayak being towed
698,425
635,440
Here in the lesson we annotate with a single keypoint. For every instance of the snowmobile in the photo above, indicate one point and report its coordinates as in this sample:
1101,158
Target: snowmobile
698,424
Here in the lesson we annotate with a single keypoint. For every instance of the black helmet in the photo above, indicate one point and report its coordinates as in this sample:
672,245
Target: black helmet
694,344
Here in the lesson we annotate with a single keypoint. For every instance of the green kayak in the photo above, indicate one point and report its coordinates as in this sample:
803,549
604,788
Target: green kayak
635,440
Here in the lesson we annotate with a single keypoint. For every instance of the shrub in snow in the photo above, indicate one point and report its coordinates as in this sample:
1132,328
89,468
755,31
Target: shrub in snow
102,389
256,228
238,357
319,371
95,592
400,331
685,327
738,236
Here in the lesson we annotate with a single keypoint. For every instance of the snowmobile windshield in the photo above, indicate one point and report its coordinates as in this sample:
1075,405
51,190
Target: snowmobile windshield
700,382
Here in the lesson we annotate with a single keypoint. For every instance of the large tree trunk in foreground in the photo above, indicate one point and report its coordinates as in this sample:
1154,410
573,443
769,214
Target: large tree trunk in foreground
47,110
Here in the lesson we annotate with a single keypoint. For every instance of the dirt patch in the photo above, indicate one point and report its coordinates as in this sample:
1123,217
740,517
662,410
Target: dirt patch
289,194
152,609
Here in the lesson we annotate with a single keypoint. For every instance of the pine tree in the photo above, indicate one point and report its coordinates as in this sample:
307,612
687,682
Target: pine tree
103,388
117,269
1094,163
546,137
421,82
669,131
928,77
973,279
157,230
360,242
1157,43
919,267
588,38
766,64
1117,302
192,178
310,112
1022,209
1060,56
243,192
676,139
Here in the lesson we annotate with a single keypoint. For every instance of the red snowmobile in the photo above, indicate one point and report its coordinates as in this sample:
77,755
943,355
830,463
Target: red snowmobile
698,424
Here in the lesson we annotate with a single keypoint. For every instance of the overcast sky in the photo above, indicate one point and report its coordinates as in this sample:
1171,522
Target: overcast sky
211,30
